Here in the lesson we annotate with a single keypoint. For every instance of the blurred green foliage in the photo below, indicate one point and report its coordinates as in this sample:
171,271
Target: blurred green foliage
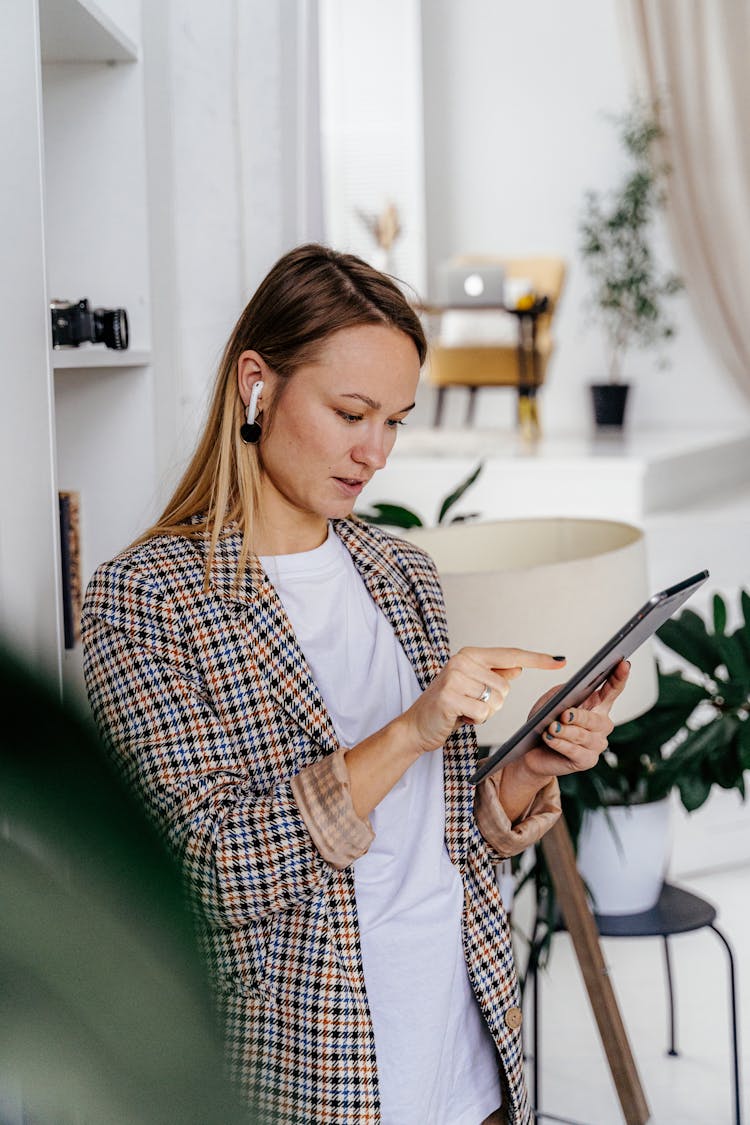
696,735
105,1013
394,515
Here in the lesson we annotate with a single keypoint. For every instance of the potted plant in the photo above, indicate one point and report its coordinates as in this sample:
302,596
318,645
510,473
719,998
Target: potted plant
395,515
628,289
697,735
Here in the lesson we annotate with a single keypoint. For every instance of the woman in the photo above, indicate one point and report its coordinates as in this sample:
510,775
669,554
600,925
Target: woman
274,677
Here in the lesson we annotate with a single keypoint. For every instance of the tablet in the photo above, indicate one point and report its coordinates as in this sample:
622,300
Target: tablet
593,674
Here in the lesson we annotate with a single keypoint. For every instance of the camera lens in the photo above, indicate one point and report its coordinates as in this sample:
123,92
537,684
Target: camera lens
111,328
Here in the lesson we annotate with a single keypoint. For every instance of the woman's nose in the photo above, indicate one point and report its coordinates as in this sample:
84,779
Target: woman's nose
372,449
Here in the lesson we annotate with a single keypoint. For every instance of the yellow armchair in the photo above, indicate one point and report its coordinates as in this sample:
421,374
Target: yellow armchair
473,364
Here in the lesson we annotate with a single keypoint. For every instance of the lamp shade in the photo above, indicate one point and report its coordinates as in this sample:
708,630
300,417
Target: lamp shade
561,586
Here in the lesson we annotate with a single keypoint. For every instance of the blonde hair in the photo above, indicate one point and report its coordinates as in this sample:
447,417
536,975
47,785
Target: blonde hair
309,294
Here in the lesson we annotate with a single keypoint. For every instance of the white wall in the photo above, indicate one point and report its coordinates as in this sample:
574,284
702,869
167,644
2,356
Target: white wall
232,186
514,98
29,551
371,119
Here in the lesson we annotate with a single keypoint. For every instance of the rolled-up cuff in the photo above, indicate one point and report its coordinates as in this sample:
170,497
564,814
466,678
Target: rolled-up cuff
506,839
323,795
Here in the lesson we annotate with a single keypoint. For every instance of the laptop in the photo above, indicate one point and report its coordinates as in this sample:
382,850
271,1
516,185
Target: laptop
467,286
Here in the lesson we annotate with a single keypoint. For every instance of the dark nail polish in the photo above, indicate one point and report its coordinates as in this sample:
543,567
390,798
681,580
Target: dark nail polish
569,717
558,728
559,658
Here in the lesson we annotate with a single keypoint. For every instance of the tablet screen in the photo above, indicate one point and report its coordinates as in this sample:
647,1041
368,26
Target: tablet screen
593,673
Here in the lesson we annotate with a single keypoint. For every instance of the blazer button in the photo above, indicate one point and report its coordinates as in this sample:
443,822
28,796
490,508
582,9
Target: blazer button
513,1018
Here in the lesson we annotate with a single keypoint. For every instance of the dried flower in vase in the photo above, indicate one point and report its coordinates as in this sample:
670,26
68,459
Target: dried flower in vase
384,227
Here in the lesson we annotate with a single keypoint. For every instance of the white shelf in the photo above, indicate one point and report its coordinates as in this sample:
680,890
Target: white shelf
78,359
574,475
78,31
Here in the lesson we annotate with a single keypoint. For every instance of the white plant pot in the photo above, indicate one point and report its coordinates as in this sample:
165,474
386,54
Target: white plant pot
623,854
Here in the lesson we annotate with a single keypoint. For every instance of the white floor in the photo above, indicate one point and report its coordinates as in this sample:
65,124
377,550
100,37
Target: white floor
693,1089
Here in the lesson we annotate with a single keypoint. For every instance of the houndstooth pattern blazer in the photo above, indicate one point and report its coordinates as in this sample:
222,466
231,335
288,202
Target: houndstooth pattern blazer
208,705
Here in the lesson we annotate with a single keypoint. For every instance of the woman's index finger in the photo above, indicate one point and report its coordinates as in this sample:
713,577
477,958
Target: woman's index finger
504,658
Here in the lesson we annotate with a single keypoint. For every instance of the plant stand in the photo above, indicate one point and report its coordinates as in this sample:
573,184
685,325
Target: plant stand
571,895
677,911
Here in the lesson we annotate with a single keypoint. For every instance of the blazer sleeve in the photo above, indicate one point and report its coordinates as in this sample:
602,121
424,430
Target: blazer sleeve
247,854
503,838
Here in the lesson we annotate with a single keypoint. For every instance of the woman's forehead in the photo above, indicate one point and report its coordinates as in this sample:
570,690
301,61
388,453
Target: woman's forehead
376,351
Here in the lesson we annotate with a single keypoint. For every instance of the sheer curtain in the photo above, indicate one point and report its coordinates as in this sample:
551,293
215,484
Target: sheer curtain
692,57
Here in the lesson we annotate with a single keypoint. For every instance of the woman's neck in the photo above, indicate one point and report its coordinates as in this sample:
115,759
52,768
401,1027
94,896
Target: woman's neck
270,539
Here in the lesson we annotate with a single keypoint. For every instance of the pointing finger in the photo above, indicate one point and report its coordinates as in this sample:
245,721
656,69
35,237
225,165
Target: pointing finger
502,658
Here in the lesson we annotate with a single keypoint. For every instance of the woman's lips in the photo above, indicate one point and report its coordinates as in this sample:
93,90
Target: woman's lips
350,486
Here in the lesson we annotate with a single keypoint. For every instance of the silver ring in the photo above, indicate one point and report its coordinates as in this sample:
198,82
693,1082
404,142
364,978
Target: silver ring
485,694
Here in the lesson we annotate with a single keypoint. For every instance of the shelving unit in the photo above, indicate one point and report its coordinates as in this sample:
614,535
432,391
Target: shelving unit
82,359
74,31
73,215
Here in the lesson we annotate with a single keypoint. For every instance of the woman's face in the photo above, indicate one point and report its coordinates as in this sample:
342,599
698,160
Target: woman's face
334,427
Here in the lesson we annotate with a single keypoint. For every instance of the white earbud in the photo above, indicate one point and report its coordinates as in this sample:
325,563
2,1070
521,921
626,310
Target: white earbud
250,429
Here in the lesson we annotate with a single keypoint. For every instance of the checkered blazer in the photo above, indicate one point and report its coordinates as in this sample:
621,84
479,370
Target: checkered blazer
208,704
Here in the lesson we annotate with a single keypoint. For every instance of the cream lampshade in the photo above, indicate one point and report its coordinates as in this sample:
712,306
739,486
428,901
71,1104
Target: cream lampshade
561,586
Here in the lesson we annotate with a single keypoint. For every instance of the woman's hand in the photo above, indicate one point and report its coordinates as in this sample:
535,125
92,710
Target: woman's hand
575,740
455,695
572,743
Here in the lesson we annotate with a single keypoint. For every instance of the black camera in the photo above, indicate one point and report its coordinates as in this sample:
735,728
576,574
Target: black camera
74,323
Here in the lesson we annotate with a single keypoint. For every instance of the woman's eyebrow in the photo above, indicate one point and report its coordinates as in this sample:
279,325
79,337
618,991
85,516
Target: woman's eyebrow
376,405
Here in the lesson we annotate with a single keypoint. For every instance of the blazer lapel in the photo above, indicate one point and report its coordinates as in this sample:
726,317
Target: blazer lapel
394,595
273,645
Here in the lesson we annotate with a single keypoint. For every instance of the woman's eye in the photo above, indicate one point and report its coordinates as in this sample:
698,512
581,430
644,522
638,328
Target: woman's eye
393,422
349,417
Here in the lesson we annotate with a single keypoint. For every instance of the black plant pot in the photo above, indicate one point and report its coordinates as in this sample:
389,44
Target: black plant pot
609,401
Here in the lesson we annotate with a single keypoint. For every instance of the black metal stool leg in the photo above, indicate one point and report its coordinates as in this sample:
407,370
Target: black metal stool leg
532,977
735,1047
439,401
535,1044
670,989
470,406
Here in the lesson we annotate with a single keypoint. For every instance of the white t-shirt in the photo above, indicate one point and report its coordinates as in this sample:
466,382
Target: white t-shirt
436,1059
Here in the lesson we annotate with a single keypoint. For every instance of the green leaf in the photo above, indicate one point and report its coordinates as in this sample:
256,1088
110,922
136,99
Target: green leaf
694,791
743,742
720,614
736,657
676,691
701,742
454,497
742,633
724,762
391,515
687,636
678,698
745,602
685,759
